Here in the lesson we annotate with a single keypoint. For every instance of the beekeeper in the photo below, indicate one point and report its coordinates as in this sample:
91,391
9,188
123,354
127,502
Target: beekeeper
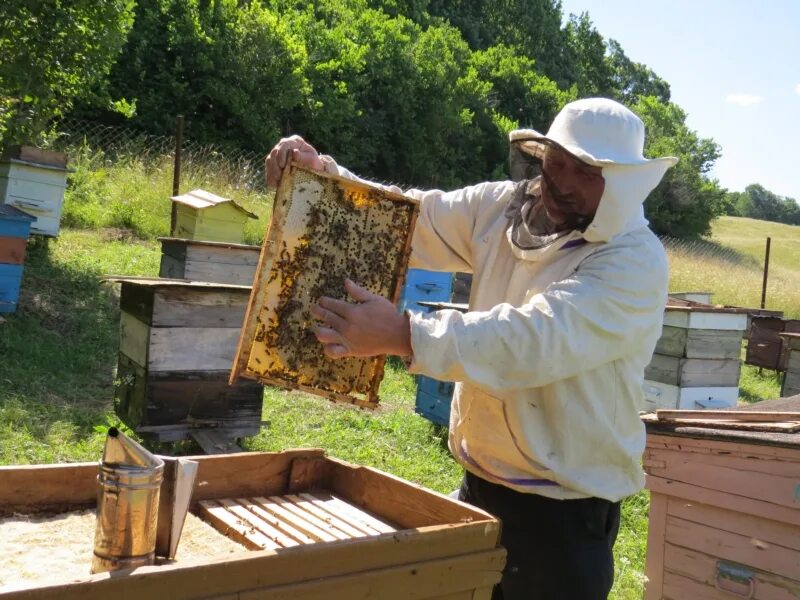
568,293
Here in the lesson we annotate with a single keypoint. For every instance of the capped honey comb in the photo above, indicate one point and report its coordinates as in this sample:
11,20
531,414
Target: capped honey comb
324,229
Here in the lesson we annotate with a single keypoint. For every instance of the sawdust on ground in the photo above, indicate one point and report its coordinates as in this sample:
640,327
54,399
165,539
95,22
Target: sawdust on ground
43,550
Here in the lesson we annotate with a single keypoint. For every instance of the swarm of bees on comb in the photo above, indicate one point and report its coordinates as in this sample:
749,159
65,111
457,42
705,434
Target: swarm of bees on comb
324,229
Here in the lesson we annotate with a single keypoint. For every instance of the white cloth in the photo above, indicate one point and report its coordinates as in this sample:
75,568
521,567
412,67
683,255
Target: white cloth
550,357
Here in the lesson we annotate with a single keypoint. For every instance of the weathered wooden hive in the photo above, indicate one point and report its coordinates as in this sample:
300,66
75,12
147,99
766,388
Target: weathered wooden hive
214,262
177,343
324,229
696,363
34,181
791,378
724,511
201,215
293,524
15,226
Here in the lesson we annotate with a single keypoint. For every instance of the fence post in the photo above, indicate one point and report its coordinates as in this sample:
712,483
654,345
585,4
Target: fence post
766,275
176,171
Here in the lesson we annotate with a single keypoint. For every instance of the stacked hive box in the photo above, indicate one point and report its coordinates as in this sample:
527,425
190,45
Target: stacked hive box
15,226
201,215
217,262
34,181
696,362
177,343
791,379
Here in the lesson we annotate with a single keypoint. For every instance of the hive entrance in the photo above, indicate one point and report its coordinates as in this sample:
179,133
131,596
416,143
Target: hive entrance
324,229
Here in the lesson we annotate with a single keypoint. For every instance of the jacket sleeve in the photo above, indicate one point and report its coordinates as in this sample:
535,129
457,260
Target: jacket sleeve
443,234
573,326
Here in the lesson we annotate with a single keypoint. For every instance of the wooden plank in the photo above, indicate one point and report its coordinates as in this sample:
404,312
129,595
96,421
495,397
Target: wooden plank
672,341
249,517
300,520
732,415
230,575
705,446
309,474
417,581
702,568
761,530
740,461
285,525
134,339
221,272
171,267
191,348
779,490
730,424
301,510
721,319
234,527
223,254
404,504
321,514
214,442
732,547
353,515
12,250
699,372
136,300
199,307
722,499
654,565
713,344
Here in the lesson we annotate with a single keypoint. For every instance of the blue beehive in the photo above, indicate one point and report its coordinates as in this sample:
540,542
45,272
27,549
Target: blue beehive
433,396
15,226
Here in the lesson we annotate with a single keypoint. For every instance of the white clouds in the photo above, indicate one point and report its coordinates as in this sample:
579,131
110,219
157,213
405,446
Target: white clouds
745,99
797,89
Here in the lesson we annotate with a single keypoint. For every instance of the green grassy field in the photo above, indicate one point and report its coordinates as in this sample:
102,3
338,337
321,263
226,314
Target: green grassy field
59,354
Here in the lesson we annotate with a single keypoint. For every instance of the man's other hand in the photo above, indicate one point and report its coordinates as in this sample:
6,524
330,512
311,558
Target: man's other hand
369,328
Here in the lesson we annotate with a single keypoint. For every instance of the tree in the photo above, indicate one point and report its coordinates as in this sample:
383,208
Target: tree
53,53
592,74
685,202
632,80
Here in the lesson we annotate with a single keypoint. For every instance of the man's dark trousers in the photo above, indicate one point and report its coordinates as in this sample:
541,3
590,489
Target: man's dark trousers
557,549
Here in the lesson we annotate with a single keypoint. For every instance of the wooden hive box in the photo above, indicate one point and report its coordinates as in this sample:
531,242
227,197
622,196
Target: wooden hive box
15,226
701,297
177,342
724,511
696,363
791,378
324,229
214,262
201,215
319,529
34,181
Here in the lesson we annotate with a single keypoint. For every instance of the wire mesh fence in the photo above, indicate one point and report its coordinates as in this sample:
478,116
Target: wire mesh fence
115,143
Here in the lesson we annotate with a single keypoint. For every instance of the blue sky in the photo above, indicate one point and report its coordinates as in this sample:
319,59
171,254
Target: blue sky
733,66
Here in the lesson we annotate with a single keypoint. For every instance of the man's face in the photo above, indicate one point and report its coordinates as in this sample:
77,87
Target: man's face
570,188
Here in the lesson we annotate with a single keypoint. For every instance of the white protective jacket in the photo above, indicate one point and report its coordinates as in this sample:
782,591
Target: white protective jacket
550,358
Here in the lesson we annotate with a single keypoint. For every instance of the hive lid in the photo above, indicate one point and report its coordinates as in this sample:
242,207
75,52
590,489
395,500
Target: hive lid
201,199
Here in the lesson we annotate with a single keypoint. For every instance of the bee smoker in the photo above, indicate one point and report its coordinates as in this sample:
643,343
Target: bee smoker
129,483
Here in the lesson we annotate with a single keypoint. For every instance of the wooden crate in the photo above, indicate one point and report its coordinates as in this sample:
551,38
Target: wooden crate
791,378
177,342
201,215
431,547
724,511
37,189
324,229
15,226
214,262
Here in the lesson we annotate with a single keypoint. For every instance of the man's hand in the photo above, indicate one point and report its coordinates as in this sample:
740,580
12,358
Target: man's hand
369,328
289,149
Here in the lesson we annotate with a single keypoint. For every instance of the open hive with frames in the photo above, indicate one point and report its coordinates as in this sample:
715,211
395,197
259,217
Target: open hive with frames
324,229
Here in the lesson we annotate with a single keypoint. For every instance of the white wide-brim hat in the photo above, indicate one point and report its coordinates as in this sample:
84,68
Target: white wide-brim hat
603,133
598,131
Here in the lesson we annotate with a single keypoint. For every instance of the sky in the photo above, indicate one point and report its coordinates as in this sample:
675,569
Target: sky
732,65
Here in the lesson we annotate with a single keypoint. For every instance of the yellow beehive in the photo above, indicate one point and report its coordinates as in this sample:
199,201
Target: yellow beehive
201,215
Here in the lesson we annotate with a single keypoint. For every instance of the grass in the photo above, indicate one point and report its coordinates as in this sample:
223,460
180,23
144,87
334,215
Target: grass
59,349
731,264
